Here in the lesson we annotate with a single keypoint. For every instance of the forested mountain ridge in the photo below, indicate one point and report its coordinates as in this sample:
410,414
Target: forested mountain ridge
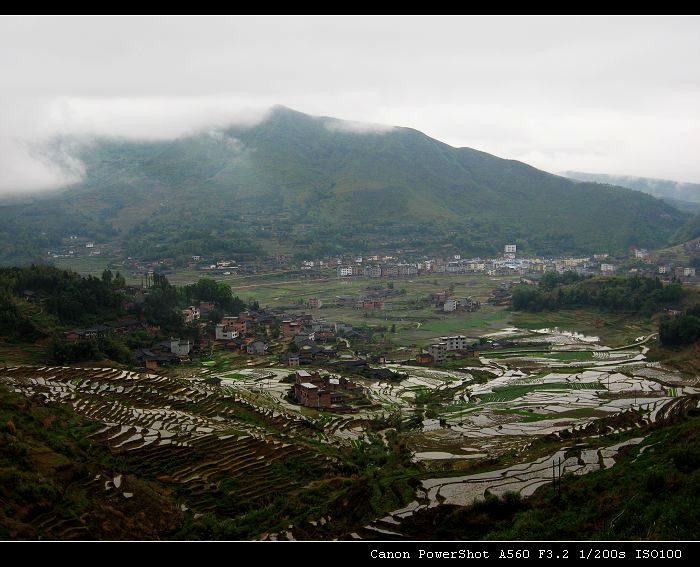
684,196
321,185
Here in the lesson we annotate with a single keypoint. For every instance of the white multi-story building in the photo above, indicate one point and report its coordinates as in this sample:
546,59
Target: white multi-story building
408,269
689,272
455,342
191,314
607,268
225,332
450,305
511,249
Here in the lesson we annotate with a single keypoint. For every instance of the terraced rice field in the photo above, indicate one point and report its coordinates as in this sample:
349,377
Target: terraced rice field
571,385
219,450
524,479
232,447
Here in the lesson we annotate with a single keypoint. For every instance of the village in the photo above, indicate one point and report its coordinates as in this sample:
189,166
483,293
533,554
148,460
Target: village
299,334
638,261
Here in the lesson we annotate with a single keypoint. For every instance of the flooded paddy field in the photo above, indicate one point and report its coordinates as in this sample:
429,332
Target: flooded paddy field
470,430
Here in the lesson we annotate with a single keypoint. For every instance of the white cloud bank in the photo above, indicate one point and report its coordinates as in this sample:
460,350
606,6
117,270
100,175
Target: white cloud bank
610,95
354,127
40,145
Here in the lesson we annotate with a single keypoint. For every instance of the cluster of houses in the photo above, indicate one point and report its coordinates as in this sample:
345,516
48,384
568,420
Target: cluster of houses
380,270
442,300
327,392
508,263
680,272
164,353
314,340
311,340
437,351
74,246
370,304
121,327
502,294
649,266
245,332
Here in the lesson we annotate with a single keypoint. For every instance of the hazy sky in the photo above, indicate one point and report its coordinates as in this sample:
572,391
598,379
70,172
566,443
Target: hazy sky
610,95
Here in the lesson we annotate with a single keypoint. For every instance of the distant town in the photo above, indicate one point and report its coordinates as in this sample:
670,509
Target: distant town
638,261
296,335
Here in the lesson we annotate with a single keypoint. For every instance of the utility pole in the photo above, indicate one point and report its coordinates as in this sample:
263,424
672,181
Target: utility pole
554,482
559,476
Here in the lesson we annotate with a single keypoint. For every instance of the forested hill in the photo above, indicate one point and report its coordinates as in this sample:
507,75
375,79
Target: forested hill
684,196
321,185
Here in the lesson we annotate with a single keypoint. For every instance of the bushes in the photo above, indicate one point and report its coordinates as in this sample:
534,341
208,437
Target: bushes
686,459
628,295
679,330
61,352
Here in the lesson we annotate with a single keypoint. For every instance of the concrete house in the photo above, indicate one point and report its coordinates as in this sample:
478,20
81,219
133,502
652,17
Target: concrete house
438,351
256,347
180,348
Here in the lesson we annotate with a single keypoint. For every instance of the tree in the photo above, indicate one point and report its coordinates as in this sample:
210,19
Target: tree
107,277
119,282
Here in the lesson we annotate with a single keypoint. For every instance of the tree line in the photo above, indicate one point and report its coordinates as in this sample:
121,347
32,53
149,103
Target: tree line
43,301
638,295
680,330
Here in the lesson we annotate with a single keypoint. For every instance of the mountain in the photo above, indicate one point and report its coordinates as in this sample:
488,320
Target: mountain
683,196
315,185
689,231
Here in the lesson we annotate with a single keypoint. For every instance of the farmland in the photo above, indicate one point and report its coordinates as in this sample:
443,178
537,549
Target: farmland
221,448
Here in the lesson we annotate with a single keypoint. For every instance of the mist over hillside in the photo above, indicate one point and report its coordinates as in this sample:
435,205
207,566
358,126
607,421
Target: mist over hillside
319,185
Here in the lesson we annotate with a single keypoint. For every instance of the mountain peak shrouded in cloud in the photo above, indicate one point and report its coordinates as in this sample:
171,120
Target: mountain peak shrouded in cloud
284,113
353,127
585,94
290,177
54,162
46,157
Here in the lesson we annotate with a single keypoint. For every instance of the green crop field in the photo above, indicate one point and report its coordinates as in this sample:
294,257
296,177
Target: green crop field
571,355
614,329
509,393
416,322
90,265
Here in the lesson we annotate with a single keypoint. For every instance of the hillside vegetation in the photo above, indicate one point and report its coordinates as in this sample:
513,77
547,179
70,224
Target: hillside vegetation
312,185
627,295
684,196
647,495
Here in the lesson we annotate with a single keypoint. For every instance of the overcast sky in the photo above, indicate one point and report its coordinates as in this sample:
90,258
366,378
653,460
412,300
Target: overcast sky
609,95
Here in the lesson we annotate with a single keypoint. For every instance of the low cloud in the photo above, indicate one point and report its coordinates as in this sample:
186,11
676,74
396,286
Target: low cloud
30,167
149,118
352,127
616,95
39,147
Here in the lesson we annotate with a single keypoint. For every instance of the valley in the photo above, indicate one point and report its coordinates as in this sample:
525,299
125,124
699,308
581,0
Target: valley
351,279
226,440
